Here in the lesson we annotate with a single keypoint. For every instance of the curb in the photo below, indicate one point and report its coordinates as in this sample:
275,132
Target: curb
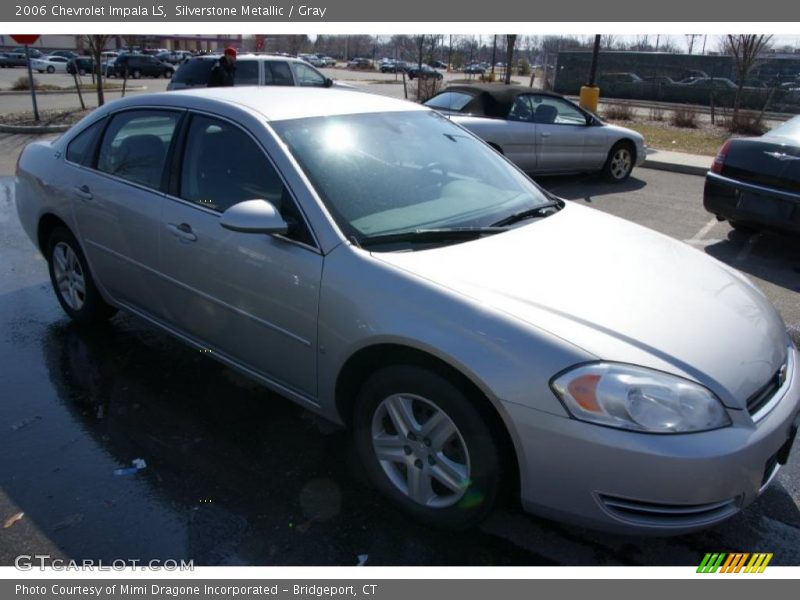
661,165
33,128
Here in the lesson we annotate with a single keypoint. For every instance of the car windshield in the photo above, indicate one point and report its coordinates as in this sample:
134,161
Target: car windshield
395,172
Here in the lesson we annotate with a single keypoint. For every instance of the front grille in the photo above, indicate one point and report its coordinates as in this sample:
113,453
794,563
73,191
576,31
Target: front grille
762,396
668,515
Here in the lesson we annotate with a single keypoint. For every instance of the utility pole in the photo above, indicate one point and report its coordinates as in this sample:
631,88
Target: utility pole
590,93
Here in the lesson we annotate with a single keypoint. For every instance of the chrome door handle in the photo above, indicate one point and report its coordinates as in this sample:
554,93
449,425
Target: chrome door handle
83,192
182,231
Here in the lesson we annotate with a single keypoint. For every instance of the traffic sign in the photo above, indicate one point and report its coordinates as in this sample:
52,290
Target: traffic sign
25,39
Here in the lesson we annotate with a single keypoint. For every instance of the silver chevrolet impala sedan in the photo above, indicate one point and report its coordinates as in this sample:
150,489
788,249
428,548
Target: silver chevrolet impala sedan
383,267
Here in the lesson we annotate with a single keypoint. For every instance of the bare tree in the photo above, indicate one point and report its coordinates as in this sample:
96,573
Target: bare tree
746,50
608,42
690,38
420,39
96,45
511,41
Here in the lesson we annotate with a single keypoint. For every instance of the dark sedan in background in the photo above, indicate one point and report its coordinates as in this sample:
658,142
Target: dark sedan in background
425,72
754,183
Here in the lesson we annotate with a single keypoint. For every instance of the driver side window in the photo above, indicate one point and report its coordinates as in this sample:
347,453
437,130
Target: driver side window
555,111
223,166
521,110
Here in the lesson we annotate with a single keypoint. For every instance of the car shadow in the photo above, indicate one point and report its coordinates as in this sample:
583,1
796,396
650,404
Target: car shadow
233,474
574,187
770,256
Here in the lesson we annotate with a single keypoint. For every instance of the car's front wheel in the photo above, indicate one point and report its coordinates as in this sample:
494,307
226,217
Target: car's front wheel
426,445
72,281
51,69
619,163
136,74
168,74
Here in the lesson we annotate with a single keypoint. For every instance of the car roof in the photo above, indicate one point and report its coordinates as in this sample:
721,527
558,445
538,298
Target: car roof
493,100
249,56
278,103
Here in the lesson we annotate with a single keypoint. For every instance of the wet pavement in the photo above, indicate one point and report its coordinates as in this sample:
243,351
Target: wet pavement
236,475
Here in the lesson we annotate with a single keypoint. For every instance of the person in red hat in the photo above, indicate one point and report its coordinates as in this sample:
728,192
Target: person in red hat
224,72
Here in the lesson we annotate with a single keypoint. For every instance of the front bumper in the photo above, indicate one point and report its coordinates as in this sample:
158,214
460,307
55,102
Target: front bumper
751,204
665,484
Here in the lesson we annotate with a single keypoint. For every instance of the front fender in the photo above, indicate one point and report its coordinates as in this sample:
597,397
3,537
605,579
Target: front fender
367,302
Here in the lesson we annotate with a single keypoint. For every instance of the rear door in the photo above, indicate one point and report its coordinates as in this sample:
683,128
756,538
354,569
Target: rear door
119,196
252,298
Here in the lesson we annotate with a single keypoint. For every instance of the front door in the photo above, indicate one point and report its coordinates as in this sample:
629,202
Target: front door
560,134
251,297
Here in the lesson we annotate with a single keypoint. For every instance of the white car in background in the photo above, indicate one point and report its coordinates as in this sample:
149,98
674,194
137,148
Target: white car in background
50,64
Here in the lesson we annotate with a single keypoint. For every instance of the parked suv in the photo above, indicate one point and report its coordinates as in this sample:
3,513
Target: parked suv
251,69
141,65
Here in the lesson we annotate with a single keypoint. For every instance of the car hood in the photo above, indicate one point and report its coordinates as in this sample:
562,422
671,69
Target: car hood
620,292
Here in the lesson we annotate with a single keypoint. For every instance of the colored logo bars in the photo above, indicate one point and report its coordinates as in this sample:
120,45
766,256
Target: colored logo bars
735,562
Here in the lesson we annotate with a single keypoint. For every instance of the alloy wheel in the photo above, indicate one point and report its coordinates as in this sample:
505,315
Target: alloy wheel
621,162
69,276
421,450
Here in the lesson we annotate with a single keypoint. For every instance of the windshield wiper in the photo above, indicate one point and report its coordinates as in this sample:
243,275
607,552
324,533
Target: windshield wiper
430,235
529,213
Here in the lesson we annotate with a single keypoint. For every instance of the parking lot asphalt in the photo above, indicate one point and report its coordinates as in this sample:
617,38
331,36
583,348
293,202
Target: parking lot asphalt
238,475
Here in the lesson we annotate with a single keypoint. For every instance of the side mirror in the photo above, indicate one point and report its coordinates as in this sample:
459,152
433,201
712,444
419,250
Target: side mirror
328,82
590,120
254,216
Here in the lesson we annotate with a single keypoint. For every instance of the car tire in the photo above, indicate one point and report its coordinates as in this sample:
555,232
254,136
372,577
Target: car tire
619,163
51,69
72,280
168,74
82,72
136,73
465,455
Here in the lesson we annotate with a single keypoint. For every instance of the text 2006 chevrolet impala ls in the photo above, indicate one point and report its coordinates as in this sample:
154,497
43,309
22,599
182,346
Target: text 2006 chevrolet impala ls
388,270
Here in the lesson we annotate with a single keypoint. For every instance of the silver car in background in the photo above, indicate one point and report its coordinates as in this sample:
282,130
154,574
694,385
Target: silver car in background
541,132
386,269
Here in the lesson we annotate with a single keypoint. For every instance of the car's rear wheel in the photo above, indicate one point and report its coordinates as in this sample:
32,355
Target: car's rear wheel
168,74
136,74
72,281
426,445
619,163
51,69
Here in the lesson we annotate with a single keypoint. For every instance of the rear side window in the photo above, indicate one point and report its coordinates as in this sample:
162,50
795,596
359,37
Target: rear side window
246,72
277,72
79,150
449,101
135,145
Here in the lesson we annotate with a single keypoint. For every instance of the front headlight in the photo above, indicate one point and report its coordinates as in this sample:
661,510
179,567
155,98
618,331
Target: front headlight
638,399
